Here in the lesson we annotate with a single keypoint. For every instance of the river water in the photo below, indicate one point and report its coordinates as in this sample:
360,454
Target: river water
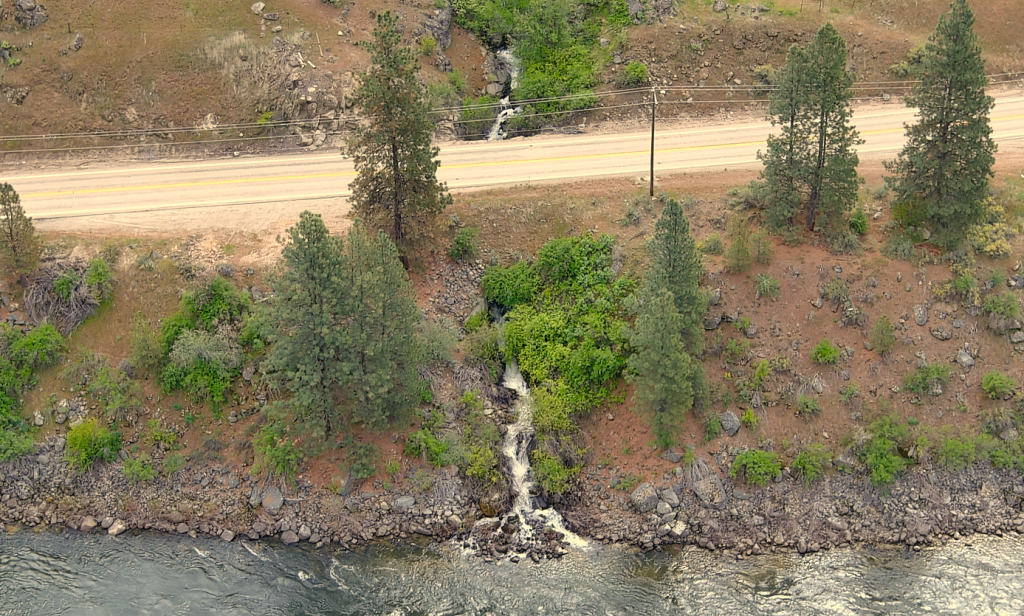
73,573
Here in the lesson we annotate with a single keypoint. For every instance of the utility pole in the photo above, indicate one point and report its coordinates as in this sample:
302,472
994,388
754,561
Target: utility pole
654,101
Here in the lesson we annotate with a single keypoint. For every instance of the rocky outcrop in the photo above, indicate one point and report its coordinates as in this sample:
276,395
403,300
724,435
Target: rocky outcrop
28,14
439,25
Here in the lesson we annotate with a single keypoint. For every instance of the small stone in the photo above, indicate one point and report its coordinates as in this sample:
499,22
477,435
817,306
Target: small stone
405,503
117,528
257,8
669,496
1017,337
305,532
272,500
289,538
964,358
663,508
942,334
920,314
816,302
88,523
227,535
182,528
671,456
272,16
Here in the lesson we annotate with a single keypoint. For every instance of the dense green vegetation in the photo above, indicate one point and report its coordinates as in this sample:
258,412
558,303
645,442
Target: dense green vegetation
20,355
756,467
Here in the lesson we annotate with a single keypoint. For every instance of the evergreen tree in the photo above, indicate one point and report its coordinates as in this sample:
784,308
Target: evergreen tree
667,380
676,266
396,186
384,352
307,318
813,162
20,245
942,173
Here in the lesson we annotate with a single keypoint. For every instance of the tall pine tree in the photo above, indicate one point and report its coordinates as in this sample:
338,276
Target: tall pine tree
342,330
813,163
307,318
676,266
667,380
941,175
396,186
384,353
20,245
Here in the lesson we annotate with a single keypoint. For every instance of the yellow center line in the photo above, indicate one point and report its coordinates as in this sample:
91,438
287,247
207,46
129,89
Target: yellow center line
289,178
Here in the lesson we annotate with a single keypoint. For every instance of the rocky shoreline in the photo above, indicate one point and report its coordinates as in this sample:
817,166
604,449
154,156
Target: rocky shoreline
688,507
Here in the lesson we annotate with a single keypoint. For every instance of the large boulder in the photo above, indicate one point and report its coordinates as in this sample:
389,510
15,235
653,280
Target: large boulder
964,358
711,492
272,500
645,498
730,423
29,14
920,314
440,27
289,538
117,528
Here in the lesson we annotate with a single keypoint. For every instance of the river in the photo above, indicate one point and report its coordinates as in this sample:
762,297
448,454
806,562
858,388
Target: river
73,573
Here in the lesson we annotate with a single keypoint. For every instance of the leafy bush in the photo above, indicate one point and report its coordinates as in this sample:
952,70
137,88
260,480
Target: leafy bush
924,378
757,467
218,301
859,222
477,320
956,454
202,364
99,278
749,420
712,245
511,286
464,246
812,463
997,385
898,246
478,114
825,353
882,335
362,458
147,352
1004,305
64,286
553,476
88,442
428,45
14,443
635,75
39,348
836,290
807,406
738,258
483,347
767,286
736,350
276,453
119,396
172,328
883,462
848,392
139,469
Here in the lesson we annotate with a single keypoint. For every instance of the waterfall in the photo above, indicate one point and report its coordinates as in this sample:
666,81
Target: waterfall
516,448
507,60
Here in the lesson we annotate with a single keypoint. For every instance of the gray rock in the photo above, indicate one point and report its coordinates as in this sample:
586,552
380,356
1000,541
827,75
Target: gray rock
964,358
77,42
711,492
670,497
254,497
272,500
671,456
1002,325
920,314
816,302
257,8
730,423
439,26
712,322
663,509
226,270
88,523
117,528
817,384
38,419
405,503
29,14
182,528
1009,434
644,498
289,538
494,89
751,331
720,6
1017,337
715,297
272,16
941,333
635,7
304,532
227,535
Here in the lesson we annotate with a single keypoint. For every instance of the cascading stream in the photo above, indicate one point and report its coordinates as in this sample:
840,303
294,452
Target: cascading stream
505,110
516,448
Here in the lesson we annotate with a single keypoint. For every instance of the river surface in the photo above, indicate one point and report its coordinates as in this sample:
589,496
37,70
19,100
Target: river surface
47,573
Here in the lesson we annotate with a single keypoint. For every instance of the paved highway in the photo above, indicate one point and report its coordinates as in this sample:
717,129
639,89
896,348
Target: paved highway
258,192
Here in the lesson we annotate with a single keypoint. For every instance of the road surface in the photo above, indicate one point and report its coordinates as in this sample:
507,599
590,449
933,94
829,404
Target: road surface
262,192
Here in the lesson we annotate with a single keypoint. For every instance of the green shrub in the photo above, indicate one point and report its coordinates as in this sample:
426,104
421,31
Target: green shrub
761,247
478,319
898,246
428,45
882,335
848,392
997,385
883,463
712,245
173,464
99,278
147,352
807,406
276,453
825,353
483,347
553,476
14,443
712,427
811,463
119,396
635,75
64,286
464,246
88,442
39,348
859,222
511,286
218,301
956,454
767,286
202,364
139,469
738,258
749,420
836,290
158,434
172,328
924,378
757,467
736,350
361,458
1004,305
